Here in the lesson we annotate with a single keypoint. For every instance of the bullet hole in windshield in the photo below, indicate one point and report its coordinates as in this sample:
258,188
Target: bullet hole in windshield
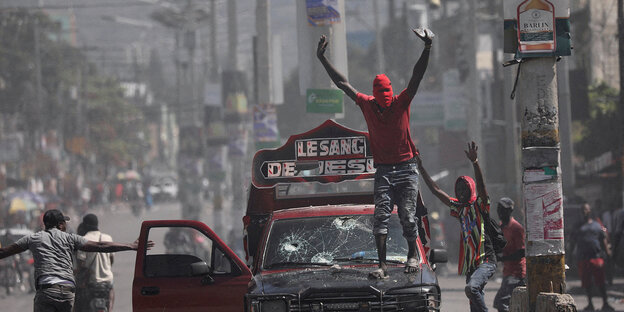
292,247
344,224
323,257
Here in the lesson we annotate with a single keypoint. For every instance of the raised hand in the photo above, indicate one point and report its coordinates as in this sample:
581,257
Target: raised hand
425,34
471,153
322,46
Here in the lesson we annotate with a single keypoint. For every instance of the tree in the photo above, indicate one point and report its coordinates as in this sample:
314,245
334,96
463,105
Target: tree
599,132
114,125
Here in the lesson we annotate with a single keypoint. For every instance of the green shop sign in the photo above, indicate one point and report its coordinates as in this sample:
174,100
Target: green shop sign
324,101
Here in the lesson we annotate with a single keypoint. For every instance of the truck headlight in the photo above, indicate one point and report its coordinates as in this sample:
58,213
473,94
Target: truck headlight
268,306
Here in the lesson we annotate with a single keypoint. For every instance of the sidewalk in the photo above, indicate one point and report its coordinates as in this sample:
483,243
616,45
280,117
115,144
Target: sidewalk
615,293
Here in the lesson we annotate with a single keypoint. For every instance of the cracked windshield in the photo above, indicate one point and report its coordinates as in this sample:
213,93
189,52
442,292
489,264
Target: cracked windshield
330,240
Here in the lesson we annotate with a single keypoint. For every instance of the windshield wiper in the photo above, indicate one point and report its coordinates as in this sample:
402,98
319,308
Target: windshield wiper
361,259
293,263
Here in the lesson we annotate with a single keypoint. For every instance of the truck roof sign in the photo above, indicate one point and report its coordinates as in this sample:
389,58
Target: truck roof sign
327,153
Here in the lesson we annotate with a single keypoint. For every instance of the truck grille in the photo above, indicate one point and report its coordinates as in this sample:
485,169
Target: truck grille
362,301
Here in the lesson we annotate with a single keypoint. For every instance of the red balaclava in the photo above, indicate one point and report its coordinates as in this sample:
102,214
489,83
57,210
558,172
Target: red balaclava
471,185
382,90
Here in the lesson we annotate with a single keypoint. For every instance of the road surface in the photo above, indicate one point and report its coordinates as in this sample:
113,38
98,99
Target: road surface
124,227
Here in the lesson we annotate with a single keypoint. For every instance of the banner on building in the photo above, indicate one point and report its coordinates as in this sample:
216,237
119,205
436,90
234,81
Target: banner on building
266,133
322,12
234,93
537,28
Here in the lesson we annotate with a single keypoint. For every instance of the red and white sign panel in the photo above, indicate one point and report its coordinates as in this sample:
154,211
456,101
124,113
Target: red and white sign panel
341,154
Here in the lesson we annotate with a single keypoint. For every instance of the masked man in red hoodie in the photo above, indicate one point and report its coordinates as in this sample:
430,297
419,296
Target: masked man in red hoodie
396,176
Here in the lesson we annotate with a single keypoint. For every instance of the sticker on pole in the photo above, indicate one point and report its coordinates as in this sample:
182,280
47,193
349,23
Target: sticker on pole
544,211
537,28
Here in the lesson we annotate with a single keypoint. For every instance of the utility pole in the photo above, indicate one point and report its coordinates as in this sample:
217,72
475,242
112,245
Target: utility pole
378,38
232,35
565,126
186,20
471,84
543,200
264,83
38,87
620,8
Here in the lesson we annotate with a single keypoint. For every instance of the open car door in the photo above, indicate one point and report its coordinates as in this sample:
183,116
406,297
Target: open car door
188,269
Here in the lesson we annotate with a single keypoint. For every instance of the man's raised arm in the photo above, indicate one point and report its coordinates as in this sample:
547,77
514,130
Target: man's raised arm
10,250
420,67
471,153
433,187
339,79
93,246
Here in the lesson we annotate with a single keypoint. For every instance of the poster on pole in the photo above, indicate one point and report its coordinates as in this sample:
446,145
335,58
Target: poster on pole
537,28
266,133
322,12
544,211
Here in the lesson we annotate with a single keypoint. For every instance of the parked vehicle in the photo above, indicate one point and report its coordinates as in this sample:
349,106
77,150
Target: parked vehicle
164,188
309,245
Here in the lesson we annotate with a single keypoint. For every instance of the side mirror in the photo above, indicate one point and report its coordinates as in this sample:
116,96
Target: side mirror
199,268
438,256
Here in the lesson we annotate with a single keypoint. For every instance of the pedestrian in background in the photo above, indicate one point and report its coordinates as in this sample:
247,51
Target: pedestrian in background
477,259
52,251
514,261
591,242
94,268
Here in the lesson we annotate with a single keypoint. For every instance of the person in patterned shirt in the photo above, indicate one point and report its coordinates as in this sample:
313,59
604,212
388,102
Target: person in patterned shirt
477,260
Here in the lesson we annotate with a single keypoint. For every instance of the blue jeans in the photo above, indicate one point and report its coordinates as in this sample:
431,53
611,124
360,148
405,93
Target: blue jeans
503,296
475,283
396,184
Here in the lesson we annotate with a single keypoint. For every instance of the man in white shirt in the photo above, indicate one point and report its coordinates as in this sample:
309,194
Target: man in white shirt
95,268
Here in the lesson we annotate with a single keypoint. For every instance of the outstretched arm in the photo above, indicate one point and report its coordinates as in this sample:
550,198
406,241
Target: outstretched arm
421,66
471,153
10,250
339,79
93,246
433,187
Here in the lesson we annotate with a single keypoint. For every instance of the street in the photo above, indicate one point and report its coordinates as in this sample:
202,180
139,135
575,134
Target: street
124,227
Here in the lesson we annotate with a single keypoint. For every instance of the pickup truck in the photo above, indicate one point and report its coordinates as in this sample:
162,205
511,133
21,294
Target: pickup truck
308,241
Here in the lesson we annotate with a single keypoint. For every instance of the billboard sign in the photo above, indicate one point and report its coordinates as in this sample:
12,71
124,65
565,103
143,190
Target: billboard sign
324,101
